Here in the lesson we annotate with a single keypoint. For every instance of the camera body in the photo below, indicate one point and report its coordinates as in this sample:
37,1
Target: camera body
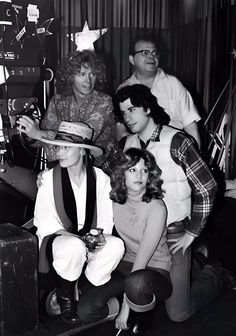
12,110
93,238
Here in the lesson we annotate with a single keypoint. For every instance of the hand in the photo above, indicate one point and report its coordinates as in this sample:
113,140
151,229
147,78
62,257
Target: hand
230,193
230,184
99,246
181,242
122,318
29,126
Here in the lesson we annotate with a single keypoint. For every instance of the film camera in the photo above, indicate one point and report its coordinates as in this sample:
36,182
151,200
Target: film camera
93,238
16,108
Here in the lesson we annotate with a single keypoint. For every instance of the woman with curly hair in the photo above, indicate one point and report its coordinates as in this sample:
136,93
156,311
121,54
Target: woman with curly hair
140,220
80,79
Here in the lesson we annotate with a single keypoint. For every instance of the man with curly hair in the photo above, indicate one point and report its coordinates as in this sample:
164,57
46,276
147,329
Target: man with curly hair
80,79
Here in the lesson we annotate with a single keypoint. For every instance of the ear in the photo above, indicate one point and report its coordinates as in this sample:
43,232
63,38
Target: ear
131,59
148,111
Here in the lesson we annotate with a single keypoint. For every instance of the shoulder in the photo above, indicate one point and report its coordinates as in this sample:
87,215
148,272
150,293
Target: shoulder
170,130
183,139
157,205
101,176
102,96
156,210
54,99
47,179
47,174
184,146
130,137
58,98
128,81
173,80
168,133
125,83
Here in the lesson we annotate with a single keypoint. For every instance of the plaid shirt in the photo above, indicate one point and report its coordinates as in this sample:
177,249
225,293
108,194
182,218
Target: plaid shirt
204,188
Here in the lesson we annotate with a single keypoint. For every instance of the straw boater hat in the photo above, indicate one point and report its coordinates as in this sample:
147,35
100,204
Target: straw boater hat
75,134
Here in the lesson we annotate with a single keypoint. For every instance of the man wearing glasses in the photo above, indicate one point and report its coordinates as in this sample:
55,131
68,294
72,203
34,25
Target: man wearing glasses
170,92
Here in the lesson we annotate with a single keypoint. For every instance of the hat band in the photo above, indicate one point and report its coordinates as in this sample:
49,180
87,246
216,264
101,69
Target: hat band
73,139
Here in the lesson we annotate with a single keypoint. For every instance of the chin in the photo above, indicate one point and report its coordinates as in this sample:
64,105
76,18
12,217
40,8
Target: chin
87,92
151,67
134,129
63,164
137,189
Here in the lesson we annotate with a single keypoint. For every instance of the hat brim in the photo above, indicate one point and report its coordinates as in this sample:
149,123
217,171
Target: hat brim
95,150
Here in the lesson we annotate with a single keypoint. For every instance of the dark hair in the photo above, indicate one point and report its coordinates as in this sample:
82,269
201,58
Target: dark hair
140,96
72,64
143,38
131,157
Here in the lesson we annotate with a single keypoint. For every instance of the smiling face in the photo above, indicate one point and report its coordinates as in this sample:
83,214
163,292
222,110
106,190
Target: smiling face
136,177
136,118
84,81
145,64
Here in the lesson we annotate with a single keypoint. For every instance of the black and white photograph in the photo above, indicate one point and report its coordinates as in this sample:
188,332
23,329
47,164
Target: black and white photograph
117,167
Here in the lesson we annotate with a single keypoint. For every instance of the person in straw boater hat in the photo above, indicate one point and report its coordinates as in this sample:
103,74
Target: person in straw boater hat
72,200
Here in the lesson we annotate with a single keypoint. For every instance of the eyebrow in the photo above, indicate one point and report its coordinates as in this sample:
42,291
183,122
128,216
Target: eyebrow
129,108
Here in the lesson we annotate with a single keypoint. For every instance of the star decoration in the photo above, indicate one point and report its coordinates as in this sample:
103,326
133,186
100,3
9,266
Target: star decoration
86,38
21,33
42,30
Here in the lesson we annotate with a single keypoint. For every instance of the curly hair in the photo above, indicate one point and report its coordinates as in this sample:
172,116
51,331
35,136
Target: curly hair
130,158
72,64
140,96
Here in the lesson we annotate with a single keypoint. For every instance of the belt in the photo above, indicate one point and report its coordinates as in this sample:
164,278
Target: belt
178,227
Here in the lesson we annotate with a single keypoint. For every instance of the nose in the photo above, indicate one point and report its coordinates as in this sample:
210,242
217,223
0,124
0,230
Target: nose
138,174
126,116
88,78
60,150
151,56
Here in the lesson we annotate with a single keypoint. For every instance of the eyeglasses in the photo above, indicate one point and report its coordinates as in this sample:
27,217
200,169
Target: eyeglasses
146,53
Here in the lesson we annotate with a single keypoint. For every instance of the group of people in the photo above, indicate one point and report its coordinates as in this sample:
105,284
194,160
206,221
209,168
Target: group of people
154,203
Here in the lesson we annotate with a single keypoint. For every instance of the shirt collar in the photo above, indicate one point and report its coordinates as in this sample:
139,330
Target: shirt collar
155,137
